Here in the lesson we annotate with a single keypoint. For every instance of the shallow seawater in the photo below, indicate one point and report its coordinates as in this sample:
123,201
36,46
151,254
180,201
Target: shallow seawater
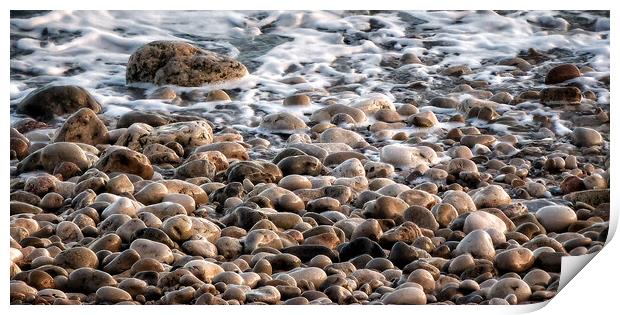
342,55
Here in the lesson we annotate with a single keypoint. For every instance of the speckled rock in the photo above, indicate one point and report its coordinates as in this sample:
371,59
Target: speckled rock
181,63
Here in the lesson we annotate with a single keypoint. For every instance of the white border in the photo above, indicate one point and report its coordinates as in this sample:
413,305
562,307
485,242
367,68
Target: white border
594,289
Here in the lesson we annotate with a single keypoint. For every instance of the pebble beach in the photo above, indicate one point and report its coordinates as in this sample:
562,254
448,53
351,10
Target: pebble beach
305,157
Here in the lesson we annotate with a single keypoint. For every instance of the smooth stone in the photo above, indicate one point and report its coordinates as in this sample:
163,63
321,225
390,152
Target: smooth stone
294,181
297,99
228,247
444,214
405,157
202,248
417,197
122,262
283,200
425,119
326,113
593,197
515,260
267,294
217,95
88,280
360,246
300,165
111,242
119,185
458,165
69,231
443,102
47,102
349,168
373,103
424,278
422,217
339,135
150,249
507,286
460,200
122,205
282,122
187,134
556,218
53,154
483,220
369,228
457,71
385,207
311,274
204,270
537,277
406,296
123,160
478,243
492,196
228,277
461,263
562,73
111,295
586,137
402,254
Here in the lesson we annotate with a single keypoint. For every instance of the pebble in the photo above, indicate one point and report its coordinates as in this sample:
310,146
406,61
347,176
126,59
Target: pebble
360,246
282,122
515,260
480,220
444,214
48,102
406,296
407,157
478,243
217,95
562,73
423,278
460,200
111,295
385,207
556,218
492,196
461,263
150,249
267,294
53,154
311,274
510,286
339,135
88,280
586,137
423,119
297,99
422,217
349,168
556,96
444,102
120,159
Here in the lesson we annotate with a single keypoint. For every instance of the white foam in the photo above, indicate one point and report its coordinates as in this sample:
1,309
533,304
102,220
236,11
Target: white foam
323,47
